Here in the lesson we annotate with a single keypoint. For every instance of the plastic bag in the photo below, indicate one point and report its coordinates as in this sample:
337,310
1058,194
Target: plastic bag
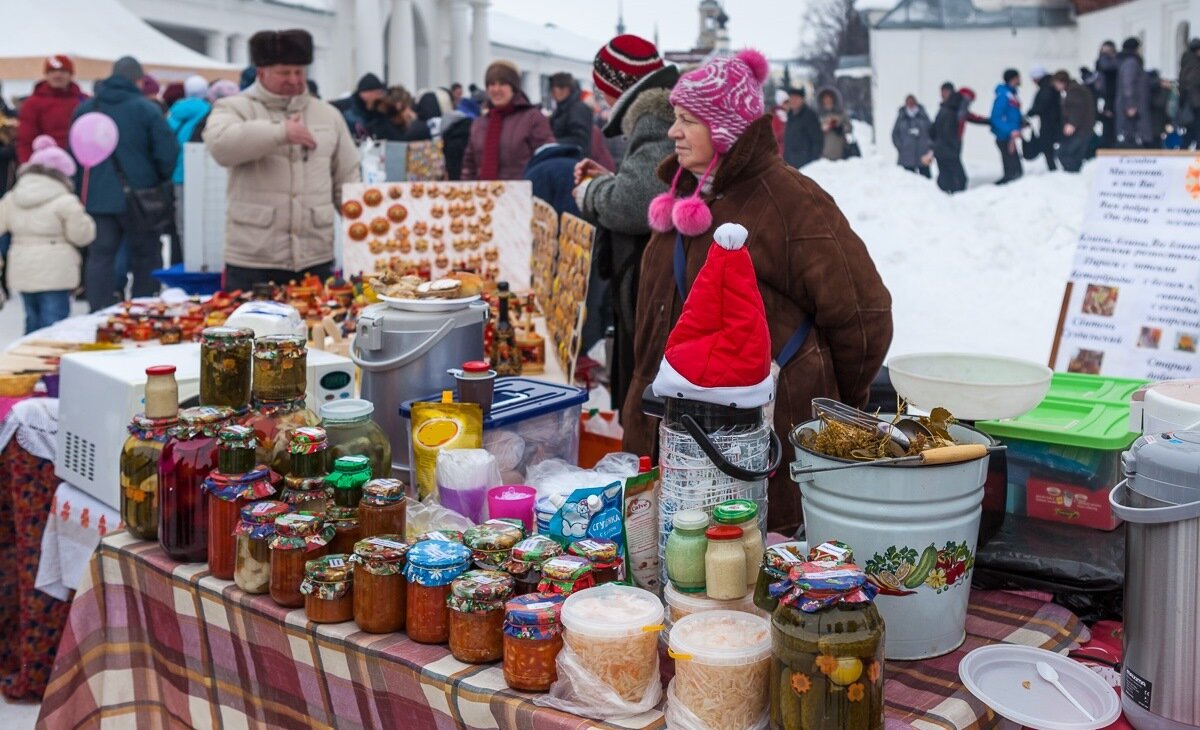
437,427
556,477
679,717
463,477
579,691
422,517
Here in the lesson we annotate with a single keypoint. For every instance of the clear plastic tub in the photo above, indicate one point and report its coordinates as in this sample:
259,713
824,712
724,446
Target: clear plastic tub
722,670
613,629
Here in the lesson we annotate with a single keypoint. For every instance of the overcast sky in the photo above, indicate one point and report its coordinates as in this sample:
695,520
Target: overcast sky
772,26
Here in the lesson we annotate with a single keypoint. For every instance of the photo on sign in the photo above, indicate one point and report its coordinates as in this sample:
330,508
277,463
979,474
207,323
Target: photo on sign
1086,362
1100,300
1149,338
1186,342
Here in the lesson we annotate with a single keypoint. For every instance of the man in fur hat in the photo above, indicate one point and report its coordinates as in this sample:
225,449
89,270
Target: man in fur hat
288,155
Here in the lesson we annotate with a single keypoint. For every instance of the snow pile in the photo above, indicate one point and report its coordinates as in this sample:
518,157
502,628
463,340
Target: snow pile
982,271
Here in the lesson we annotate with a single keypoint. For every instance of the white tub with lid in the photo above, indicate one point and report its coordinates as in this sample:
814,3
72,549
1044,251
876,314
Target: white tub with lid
680,604
722,671
613,629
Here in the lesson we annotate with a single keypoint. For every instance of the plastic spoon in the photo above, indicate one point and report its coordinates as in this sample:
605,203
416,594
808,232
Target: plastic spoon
1047,672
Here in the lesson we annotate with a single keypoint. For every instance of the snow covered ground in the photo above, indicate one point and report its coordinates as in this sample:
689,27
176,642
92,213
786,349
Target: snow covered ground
983,271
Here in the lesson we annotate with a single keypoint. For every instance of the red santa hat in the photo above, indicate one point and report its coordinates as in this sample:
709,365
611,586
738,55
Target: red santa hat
720,350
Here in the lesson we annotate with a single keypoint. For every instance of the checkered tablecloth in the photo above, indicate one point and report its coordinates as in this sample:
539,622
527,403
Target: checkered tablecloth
153,643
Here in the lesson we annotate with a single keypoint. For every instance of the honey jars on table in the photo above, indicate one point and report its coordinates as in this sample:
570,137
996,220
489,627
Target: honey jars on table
298,539
252,567
235,482
328,589
566,574
380,588
383,508
188,458
525,560
225,355
476,605
492,542
532,640
602,554
142,452
304,486
432,566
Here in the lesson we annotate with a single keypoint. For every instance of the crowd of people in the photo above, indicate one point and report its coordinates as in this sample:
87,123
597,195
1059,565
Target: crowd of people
1133,107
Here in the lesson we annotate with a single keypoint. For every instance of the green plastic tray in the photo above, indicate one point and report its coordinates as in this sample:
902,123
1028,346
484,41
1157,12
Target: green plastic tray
1068,422
1093,388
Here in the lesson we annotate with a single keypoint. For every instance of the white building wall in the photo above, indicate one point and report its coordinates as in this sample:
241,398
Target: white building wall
1162,25
920,61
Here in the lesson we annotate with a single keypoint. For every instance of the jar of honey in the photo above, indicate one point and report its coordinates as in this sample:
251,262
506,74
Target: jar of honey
532,640
327,589
380,588
298,539
476,605
432,566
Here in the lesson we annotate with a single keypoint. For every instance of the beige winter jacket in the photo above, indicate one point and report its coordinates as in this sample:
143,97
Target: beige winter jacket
48,226
282,198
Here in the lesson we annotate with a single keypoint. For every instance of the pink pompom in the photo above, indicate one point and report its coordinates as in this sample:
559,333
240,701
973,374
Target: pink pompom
659,214
43,141
691,216
757,63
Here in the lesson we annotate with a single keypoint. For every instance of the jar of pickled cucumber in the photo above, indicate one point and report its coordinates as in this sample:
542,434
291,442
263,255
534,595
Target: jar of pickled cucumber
304,487
349,475
139,474
827,644
225,356
280,367
352,432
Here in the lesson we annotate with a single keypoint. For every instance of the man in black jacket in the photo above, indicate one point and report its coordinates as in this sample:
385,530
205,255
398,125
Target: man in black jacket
947,141
1104,88
802,136
1079,121
1189,93
1047,107
361,109
572,119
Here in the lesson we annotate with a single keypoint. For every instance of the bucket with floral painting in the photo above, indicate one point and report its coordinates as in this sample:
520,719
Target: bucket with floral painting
913,527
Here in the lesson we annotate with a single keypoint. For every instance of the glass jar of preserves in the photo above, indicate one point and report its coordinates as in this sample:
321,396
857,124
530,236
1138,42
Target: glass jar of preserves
432,566
724,563
383,508
162,392
476,605
345,528
685,549
525,561
492,542
328,589
235,482
273,423
225,354
188,457
777,562
142,452
349,475
602,554
252,569
827,641
532,640
298,539
304,487
743,514
380,588
352,432
566,574
280,367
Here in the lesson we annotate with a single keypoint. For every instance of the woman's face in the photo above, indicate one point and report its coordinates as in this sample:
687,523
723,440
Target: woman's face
693,142
499,93
827,102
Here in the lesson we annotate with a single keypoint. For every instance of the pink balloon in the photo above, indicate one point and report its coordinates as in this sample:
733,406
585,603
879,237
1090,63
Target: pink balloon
93,138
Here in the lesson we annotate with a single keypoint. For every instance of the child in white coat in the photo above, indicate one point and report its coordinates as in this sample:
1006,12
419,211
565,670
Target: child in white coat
49,225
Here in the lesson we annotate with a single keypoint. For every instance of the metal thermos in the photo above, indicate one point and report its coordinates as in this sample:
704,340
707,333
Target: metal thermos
1160,503
405,355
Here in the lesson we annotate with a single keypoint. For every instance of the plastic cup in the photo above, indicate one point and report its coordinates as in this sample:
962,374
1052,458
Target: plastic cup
514,502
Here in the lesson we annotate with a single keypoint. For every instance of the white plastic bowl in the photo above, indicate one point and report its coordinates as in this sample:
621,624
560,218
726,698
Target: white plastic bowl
971,387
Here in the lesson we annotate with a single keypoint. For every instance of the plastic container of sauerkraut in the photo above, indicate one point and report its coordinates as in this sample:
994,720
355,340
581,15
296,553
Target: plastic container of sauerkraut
722,670
680,604
613,629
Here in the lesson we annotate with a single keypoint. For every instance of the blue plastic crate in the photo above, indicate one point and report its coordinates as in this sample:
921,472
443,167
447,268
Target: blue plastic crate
198,283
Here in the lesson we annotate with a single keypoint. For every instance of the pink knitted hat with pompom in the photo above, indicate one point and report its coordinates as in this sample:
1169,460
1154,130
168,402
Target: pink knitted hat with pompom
726,95
47,153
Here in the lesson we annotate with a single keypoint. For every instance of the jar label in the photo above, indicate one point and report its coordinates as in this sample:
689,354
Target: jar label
303,518
262,508
539,606
590,545
786,555
386,543
336,563
485,580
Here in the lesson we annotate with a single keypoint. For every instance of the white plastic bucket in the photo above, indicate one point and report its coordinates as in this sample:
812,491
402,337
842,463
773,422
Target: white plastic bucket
913,530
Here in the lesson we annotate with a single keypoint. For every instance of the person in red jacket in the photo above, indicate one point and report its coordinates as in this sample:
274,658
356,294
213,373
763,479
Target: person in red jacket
51,107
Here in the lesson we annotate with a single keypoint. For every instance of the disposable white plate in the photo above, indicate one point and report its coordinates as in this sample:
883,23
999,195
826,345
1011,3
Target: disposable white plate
997,674
428,305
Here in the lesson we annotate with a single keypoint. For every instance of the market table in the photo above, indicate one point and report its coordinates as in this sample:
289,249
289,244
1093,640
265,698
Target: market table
163,644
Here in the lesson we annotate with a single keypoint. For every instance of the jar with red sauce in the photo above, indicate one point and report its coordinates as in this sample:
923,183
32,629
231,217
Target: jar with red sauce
380,588
298,539
189,456
346,532
328,589
236,482
476,605
383,508
532,640
432,566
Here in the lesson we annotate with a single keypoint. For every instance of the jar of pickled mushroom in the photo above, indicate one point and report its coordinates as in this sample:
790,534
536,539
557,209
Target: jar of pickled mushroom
532,640
432,566
236,482
525,561
298,539
380,588
346,532
188,457
350,474
225,356
304,486
328,589
280,367
352,432
602,554
383,508
476,605
252,568
566,574
492,541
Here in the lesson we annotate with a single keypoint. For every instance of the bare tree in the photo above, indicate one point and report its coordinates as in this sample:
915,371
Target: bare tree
831,29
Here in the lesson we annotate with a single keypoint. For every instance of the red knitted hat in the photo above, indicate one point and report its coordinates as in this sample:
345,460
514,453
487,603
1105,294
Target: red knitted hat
720,349
621,63
59,62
